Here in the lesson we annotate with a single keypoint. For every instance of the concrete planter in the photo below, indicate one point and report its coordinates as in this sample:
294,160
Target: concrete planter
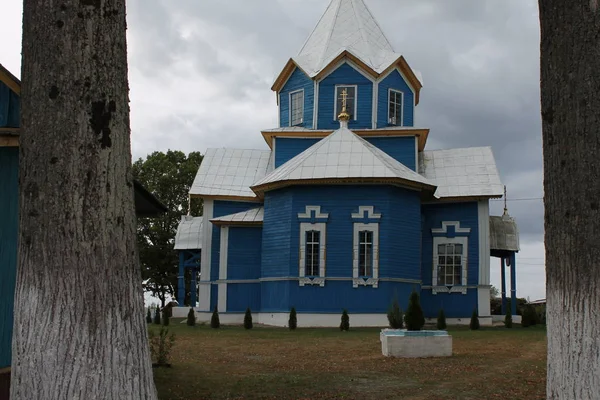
415,344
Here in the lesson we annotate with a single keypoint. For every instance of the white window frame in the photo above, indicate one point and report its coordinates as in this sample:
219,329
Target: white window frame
437,240
290,107
335,95
401,107
320,227
365,212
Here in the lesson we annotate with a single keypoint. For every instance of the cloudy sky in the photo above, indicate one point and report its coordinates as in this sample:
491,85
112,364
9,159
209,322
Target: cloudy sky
201,72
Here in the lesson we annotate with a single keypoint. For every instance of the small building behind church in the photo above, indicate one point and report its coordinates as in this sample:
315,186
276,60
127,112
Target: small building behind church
346,209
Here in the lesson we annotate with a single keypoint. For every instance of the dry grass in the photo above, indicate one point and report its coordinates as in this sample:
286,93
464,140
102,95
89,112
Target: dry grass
271,363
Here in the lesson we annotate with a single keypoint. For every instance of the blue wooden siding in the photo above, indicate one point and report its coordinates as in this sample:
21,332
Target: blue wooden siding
220,209
9,107
276,234
288,148
298,80
401,148
466,214
394,81
214,296
244,253
9,213
243,295
345,75
455,305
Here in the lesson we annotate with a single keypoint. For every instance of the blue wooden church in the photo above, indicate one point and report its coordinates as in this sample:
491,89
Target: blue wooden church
346,210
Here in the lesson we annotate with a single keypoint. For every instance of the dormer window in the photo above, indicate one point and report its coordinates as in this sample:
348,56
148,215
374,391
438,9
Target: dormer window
296,107
395,107
350,101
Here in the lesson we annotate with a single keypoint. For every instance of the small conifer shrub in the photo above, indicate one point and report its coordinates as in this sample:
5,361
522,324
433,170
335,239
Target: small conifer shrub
345,324
414,317
160,346
149,316
508,318
248,319
395,317
165,318
157,315
293,321
191,318
474,324
441,320
214,320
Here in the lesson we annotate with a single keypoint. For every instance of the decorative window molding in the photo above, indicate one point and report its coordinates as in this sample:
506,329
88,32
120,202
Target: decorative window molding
296,101
395,107
368,210
351,101
445,266
308,213
313,236
455,224
365,258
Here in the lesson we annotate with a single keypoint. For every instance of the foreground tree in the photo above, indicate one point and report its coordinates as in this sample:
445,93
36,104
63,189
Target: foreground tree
169,177
78,264
570,79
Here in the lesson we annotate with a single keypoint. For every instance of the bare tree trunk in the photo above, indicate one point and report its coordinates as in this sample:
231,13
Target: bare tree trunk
570,91
79,328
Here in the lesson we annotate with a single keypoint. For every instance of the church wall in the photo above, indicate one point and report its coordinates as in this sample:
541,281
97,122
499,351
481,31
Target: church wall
243,295
394,81
288,148
345,75
298,80
401,148
244,253
455,305
276,234
9,107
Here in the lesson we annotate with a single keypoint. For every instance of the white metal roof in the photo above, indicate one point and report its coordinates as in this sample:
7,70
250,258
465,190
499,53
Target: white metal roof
347,25
244,217
230,172
342,154
467,172
189,233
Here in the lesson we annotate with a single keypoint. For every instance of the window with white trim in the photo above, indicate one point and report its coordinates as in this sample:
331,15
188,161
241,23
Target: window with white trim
365,253
312,257
395,107
296,107
312,246
449,273
350,101
449,264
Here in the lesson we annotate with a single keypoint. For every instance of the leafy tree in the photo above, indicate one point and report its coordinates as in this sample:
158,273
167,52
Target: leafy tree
529,317
441,320
248,319
191,317
474,324
414,317
508,318
395,317
293,322
157,315
494,292
214,320
168,176
345,323
149,316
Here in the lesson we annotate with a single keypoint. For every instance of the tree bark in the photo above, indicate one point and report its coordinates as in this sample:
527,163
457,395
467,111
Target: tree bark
570,94
79,330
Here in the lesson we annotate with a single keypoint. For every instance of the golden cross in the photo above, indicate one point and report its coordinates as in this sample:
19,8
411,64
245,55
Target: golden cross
344,98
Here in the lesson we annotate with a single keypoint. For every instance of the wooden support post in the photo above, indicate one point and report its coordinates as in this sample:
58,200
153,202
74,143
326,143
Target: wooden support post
181,280
513,284
503,288
193,287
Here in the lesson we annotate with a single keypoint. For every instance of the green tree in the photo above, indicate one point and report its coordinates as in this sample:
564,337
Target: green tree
191,317
441,320
293,321
414,317
157,315
248,319
474,324
345,323
169,177
494,292
395,317
215,322
508,318
149,316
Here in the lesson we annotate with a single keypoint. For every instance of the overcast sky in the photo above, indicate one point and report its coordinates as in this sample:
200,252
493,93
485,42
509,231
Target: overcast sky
201,71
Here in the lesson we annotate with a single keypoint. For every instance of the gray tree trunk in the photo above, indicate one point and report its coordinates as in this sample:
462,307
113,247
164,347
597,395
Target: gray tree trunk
570,93
79,328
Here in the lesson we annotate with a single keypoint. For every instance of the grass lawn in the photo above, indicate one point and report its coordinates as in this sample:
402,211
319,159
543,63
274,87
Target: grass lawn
275,363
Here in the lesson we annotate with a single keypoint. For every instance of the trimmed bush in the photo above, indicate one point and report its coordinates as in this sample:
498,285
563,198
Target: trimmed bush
345,324
414,317
293,321
248,319
149,316
529,317
160,346
214,320
508,318
441,320
191,318
395,317
157,315
165,318
474,324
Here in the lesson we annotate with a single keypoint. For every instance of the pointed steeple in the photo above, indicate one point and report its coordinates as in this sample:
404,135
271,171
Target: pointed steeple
346,25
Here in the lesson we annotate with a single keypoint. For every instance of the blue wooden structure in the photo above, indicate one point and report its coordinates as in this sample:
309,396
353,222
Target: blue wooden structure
189,246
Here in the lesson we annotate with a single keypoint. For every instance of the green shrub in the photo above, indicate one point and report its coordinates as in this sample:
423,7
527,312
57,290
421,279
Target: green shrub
149,316
508,318
165,318
248,319
293,322
395,317
157,315
214,320
160,346
191,318
345,324
441,320
529,317
414,317
474,325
